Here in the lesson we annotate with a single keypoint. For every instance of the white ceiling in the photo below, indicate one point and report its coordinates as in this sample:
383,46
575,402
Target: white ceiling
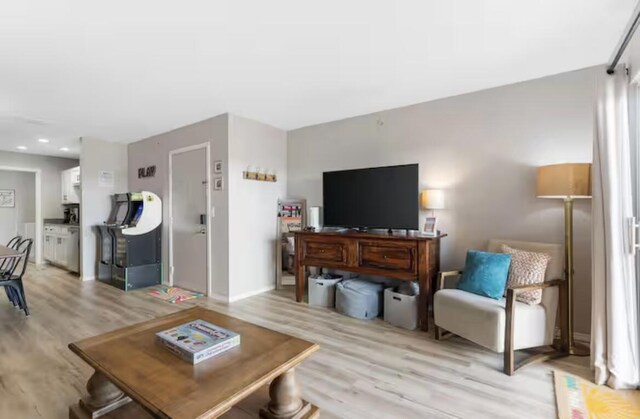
124,70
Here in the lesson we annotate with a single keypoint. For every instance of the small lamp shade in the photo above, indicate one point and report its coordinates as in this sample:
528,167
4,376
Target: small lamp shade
432,199
568,180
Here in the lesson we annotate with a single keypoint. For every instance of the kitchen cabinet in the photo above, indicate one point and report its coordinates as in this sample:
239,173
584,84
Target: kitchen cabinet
70,185
62,246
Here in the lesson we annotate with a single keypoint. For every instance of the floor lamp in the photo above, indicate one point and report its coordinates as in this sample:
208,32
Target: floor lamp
567,181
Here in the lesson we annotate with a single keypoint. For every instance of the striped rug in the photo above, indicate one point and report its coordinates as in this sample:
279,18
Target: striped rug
175,294
580,399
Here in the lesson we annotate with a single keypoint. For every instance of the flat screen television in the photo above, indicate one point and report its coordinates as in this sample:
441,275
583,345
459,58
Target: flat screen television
379,197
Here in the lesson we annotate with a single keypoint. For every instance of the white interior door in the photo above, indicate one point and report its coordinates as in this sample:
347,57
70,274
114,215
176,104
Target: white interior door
189,233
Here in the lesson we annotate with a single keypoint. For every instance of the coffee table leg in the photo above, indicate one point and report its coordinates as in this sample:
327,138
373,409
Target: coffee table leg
285,398
103,397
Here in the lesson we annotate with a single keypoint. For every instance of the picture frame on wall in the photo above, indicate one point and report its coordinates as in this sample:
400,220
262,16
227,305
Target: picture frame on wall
217,166
7,198
218,184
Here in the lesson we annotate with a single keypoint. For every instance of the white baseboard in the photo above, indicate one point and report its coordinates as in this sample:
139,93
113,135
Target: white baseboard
219,297
582,337
579,337
87,278
251,294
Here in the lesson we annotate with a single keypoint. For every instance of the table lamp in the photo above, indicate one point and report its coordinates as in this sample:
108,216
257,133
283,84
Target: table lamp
431,199
567,181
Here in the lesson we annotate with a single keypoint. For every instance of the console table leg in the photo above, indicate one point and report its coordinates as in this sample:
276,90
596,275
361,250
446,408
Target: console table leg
285,399
103,397
424,283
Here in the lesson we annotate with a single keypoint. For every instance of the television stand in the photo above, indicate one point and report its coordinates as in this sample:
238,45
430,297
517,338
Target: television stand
407,257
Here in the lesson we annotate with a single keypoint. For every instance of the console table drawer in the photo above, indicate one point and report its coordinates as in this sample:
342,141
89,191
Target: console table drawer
325,251
390,256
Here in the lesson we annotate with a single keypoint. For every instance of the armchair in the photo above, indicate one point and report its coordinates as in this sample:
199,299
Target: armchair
506,325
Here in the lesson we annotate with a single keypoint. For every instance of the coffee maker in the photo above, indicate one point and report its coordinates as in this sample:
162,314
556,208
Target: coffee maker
72,214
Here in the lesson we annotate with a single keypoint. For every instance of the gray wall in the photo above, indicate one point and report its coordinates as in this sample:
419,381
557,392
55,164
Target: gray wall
12,219
97,156
50,168
253,205
482,148
155,151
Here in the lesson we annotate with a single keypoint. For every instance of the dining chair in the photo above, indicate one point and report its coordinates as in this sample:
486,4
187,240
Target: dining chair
11,280
12,244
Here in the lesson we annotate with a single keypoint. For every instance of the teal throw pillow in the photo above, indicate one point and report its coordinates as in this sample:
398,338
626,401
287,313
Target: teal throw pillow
485,273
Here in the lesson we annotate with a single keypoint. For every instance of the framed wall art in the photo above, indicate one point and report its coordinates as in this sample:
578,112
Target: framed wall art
7,198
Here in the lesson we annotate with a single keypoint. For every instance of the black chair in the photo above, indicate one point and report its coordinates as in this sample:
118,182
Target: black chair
13,244
11,280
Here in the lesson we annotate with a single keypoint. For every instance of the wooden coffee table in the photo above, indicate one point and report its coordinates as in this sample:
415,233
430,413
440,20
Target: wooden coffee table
130,365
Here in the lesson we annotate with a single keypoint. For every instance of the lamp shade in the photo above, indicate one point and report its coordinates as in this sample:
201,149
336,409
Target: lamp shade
568,180
432,199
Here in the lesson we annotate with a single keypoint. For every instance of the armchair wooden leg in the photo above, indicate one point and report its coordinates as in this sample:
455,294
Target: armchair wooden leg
509,362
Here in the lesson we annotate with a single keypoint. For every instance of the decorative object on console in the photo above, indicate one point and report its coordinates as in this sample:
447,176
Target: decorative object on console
485,274
431,199
315,218
567,181
527,268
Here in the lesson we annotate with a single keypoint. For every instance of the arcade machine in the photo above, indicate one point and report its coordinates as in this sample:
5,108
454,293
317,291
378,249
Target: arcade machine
131,241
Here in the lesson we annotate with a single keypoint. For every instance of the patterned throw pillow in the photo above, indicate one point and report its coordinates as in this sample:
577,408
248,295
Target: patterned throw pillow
527,268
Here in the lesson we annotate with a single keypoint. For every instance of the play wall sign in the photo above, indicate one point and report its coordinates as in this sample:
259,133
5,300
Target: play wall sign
149,171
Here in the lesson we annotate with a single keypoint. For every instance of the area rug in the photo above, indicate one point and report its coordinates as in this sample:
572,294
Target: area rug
175,294
580,399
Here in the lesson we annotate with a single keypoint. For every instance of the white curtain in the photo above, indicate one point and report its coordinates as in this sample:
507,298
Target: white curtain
614,317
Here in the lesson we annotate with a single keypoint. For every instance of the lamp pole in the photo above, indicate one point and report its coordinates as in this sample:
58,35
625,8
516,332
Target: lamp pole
574,349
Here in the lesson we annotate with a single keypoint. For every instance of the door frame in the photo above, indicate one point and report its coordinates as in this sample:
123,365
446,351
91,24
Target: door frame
39,221
207,148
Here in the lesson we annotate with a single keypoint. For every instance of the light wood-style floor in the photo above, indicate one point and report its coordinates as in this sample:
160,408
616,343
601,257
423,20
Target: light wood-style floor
365,369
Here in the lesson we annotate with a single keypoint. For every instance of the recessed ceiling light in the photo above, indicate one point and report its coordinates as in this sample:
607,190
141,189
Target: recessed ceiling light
43,140
64,148
21,147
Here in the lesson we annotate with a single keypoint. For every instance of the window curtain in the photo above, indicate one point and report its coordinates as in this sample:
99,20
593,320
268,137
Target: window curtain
614,318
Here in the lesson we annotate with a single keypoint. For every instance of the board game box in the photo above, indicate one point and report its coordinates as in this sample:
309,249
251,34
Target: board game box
197,340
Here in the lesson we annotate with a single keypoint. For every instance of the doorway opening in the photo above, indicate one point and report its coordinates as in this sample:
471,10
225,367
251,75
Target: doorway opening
21,211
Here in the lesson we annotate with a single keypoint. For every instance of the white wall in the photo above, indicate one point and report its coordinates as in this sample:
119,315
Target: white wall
97,156
12,219
482,148
155,151
253,205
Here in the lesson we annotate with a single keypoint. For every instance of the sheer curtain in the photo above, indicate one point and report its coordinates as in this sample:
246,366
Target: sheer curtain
614,323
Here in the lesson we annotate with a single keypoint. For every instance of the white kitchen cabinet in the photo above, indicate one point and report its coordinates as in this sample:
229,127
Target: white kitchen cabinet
70,185
62,246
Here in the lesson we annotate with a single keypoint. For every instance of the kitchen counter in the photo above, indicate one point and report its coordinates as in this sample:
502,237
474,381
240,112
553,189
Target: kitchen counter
59,222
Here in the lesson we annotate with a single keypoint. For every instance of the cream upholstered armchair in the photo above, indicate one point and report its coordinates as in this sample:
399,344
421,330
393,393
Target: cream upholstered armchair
506,325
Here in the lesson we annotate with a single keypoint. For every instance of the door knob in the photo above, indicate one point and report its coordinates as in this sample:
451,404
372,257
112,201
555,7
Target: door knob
202,231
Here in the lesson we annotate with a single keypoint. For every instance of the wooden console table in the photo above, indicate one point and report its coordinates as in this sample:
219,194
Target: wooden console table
407,257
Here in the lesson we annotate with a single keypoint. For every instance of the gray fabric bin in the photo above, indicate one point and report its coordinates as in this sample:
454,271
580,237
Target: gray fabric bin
322,290
359,299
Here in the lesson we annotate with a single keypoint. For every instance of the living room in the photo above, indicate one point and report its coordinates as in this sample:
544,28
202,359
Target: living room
476,161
